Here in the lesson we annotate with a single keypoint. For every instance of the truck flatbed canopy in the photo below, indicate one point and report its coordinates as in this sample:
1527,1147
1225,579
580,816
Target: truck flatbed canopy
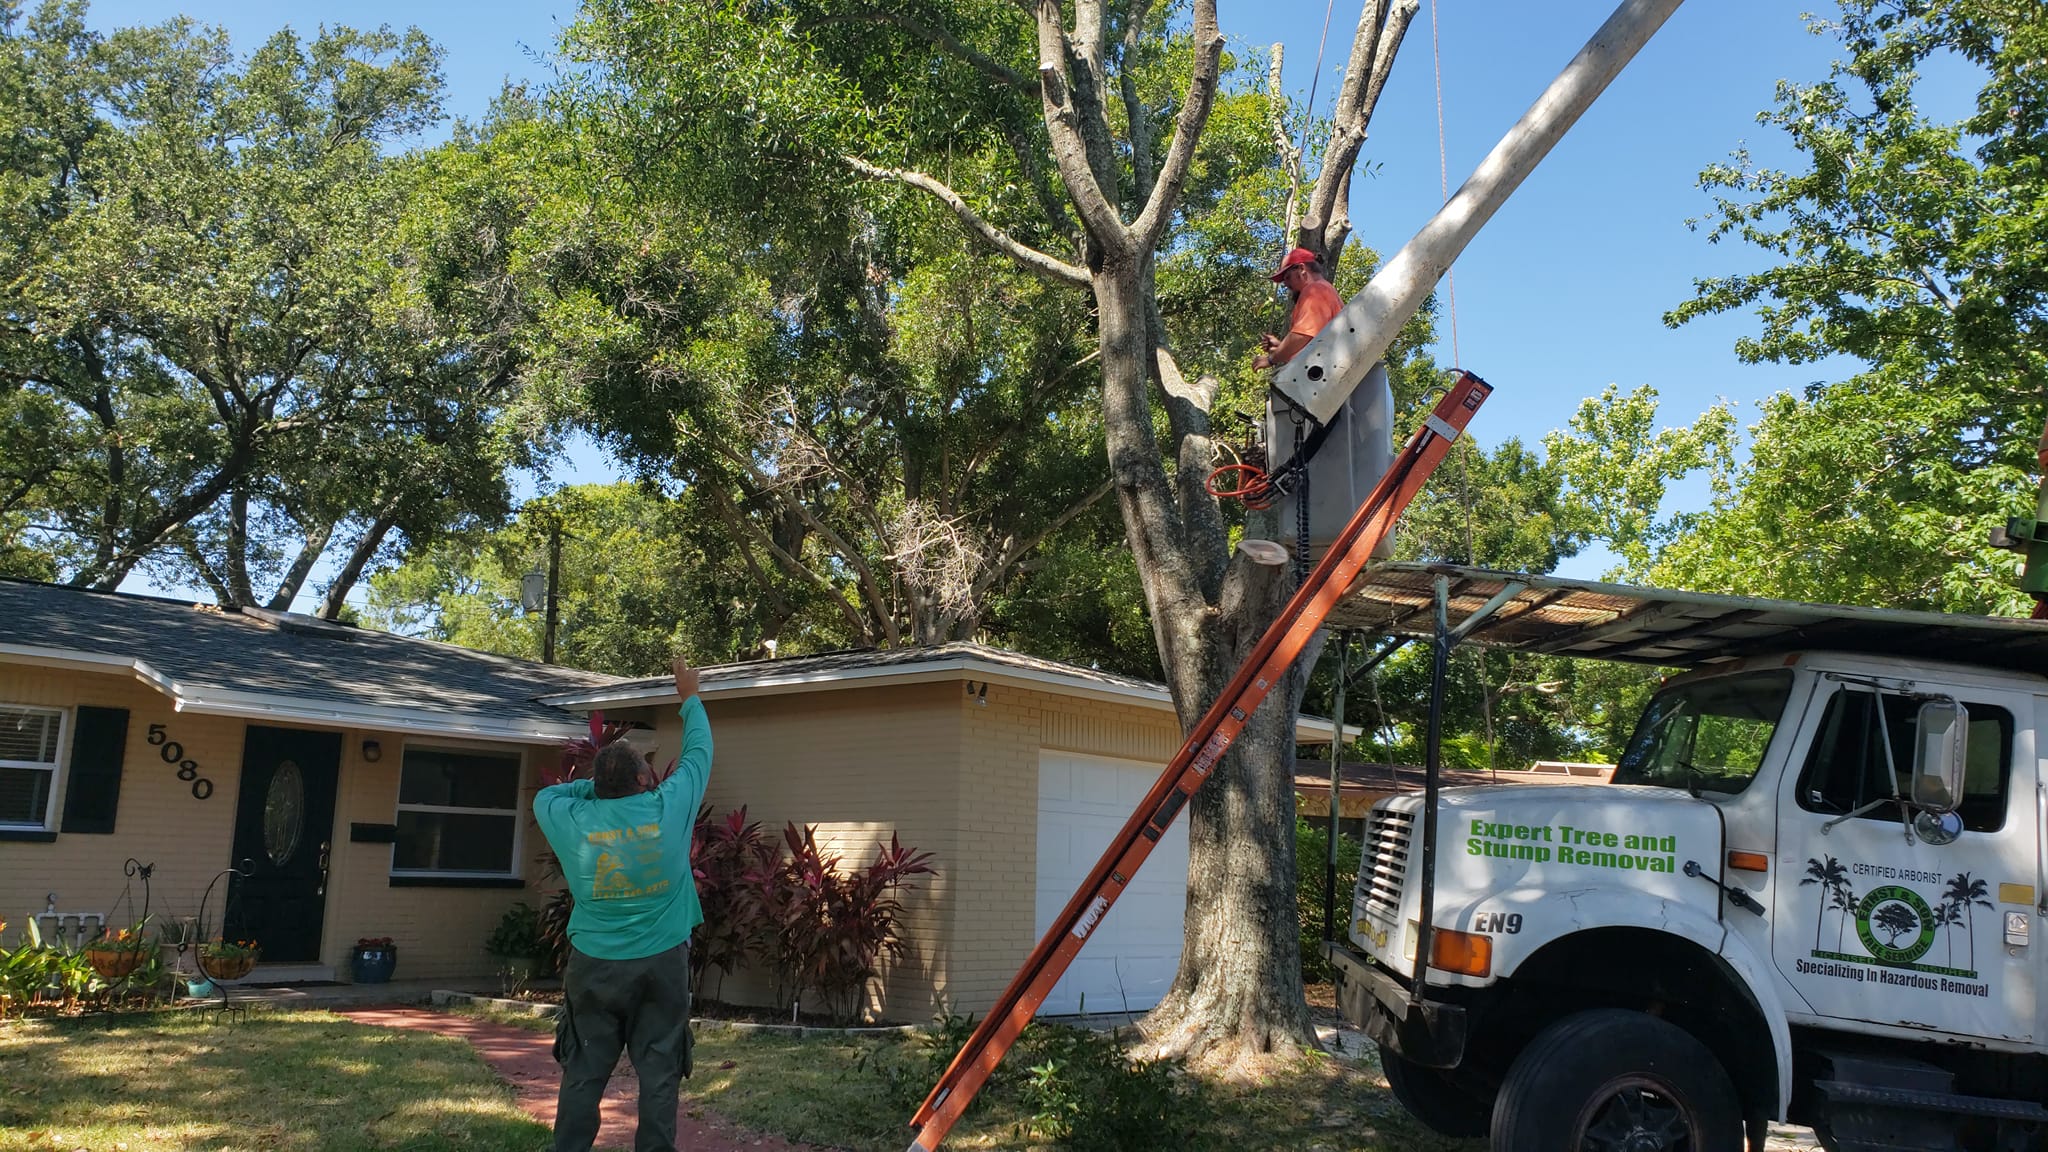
1586,618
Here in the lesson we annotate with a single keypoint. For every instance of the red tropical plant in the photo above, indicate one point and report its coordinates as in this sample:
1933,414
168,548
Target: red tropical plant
831,928
721,854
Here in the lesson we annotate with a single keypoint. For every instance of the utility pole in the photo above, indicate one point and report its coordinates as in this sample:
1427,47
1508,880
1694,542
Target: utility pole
547,643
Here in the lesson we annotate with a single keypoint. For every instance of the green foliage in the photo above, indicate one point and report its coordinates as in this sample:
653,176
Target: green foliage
1085,1092
1311,854
1912,245
517,935
225,356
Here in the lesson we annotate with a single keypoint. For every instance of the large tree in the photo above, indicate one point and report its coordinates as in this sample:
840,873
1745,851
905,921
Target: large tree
1915,246
220,356
1080,143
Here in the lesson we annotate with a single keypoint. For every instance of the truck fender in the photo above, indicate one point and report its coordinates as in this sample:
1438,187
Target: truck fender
1558,914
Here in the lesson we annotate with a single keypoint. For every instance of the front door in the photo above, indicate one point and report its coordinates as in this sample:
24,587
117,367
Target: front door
284,828
1872,925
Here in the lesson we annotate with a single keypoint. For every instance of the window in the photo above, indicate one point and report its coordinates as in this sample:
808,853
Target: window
1845,769
29,738
1706,735
458,813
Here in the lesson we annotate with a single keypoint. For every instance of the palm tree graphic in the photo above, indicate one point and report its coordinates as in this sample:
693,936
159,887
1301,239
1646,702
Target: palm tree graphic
1968,894
1948,917
1833,879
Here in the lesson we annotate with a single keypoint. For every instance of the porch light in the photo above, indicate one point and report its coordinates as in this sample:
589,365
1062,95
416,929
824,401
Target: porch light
373,751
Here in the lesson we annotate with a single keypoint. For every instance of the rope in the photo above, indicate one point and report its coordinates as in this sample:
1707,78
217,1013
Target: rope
1443,164
1315,78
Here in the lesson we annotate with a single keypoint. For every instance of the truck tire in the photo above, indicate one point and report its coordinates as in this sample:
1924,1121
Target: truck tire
1430,1096
1611,1080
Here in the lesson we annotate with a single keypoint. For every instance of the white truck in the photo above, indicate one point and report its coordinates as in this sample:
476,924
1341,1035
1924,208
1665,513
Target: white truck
1809,892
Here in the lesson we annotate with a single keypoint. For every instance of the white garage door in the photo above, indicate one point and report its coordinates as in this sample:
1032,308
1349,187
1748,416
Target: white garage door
1130,958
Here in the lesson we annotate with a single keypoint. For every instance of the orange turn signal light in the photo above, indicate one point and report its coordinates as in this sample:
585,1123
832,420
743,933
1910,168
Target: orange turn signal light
1749,861
1466,953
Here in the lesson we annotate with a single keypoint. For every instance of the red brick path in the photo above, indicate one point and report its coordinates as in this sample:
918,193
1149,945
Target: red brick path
525,1060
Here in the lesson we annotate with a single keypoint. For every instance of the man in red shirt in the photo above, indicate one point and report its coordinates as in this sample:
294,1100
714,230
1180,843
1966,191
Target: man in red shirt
1315,304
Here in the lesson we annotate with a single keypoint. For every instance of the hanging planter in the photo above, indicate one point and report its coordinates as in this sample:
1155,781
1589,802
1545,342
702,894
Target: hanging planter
228,959
115,957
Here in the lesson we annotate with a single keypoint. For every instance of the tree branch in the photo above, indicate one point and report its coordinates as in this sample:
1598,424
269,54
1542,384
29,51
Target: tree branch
1039,263
295,576
796,568
864,574
1187,131
1018,549
336,597
1380,32
987,65
1134,108
1069,146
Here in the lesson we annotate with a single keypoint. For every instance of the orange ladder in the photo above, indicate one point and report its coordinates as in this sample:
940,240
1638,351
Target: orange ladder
1262,671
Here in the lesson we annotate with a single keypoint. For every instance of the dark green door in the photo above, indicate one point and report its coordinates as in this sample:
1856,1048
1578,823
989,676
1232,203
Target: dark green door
284,829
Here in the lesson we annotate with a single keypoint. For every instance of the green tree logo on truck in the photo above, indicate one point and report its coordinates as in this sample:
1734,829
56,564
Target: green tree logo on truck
1896,925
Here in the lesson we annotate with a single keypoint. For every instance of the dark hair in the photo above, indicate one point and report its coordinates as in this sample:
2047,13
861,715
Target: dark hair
619,770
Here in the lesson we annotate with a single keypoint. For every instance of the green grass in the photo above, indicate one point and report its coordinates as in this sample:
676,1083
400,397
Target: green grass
309,1080
858,1094
276,1080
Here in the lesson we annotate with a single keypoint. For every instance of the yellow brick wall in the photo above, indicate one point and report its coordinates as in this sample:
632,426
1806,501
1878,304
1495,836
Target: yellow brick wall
440,932
946,774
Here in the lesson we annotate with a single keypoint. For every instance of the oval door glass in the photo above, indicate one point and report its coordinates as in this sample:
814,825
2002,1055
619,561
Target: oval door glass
284,813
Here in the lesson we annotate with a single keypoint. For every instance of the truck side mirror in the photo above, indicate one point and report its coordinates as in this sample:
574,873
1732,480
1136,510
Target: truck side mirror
1940,755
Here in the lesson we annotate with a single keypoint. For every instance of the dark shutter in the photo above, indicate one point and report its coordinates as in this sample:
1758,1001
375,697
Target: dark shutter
94,789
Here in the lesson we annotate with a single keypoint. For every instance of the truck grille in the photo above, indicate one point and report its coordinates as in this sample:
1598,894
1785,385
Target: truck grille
1385,868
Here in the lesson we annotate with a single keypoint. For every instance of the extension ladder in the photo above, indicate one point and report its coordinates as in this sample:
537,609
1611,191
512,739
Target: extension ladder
1262,671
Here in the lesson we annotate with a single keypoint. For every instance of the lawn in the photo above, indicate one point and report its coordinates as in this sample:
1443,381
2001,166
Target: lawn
309,1080
276,1080
858,1094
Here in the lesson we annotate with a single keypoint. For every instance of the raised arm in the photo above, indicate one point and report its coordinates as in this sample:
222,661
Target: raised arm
693,767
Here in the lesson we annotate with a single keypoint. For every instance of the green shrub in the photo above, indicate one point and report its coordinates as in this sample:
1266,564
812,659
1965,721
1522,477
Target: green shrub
1311,843
517,936
1084,1091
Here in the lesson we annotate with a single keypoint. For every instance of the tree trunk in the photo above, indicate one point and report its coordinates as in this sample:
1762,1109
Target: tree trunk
352,570
1236,1005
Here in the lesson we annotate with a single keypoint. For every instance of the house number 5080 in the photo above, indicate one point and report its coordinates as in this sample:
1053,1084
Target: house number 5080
174,753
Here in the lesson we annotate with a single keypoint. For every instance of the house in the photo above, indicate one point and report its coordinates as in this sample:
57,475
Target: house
370,784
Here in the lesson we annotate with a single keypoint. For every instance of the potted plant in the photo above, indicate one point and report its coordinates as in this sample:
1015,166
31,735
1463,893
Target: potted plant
228,959
114,957
516,942
373,959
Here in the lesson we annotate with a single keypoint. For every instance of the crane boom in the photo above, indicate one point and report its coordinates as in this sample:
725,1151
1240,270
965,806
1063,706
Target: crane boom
1322,375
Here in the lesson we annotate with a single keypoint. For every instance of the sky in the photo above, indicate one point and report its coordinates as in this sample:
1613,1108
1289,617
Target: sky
1561,294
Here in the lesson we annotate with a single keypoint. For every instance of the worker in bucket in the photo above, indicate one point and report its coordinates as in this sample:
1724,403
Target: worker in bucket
623,837
1315,303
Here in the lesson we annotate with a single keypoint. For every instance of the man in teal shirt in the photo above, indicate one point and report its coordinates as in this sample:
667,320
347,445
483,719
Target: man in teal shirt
624,842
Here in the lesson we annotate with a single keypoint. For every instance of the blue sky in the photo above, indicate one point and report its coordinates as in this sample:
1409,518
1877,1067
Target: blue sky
1563,292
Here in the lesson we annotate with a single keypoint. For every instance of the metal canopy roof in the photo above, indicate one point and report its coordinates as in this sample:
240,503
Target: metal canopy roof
1586,618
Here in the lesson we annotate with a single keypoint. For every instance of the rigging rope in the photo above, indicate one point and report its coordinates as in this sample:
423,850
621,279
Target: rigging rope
1443,165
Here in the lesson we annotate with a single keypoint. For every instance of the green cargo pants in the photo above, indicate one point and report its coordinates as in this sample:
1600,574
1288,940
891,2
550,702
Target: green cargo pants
641,1006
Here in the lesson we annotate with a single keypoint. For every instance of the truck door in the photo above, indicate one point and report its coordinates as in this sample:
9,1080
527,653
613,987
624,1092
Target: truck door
1872,925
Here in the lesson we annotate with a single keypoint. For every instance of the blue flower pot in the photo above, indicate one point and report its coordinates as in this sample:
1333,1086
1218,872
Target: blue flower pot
372,965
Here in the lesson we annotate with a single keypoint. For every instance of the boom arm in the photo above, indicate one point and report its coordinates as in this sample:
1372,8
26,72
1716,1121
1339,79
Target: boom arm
1320,378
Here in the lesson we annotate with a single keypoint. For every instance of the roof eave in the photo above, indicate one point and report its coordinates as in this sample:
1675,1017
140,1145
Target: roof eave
207,701
1308,729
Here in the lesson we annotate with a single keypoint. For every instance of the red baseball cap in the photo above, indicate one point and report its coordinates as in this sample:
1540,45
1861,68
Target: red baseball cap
1298,256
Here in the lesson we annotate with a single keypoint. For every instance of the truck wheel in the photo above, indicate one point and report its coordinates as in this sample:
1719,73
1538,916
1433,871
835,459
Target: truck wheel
1616,1081
1429,1096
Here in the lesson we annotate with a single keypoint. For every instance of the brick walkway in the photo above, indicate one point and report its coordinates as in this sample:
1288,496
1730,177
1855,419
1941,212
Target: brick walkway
525,1060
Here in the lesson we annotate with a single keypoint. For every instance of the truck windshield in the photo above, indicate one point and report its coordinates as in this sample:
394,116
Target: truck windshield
1708,735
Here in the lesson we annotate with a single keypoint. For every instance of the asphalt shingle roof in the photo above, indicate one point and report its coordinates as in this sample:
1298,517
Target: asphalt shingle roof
201,647
906,659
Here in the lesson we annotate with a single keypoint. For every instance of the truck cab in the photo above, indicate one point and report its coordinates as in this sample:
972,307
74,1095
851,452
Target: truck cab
1809,892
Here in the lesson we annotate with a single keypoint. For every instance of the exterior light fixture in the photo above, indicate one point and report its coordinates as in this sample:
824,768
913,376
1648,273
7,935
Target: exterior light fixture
373,751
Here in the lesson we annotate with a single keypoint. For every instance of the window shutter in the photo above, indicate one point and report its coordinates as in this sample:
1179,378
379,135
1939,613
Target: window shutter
94,789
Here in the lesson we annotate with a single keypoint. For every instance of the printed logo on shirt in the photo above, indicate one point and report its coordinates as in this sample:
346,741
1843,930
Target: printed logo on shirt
615,877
